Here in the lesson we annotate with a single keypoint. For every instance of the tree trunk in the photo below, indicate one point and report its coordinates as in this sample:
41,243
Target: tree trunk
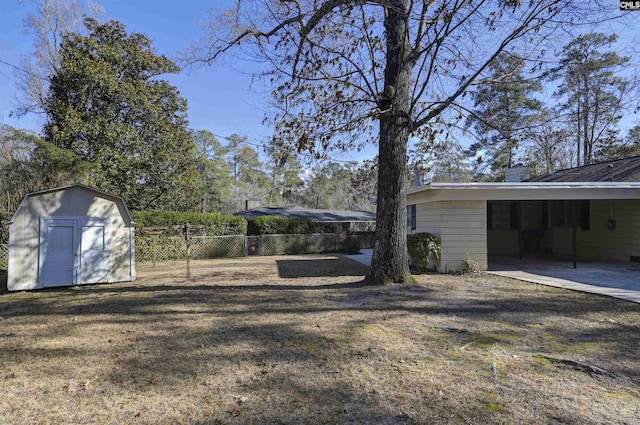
390,261
586,157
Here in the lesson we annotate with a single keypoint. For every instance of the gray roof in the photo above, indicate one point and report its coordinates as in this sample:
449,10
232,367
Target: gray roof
624,170
82,186
324,216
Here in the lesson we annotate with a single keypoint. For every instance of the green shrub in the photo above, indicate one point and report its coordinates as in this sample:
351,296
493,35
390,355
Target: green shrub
423,248
215,224
4,230
351,245
271,225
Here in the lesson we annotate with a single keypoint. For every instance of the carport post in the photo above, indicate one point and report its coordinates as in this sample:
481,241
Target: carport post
575,253
575,237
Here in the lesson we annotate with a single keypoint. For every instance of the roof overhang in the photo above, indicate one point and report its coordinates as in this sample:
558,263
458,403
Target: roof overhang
524,191
315,215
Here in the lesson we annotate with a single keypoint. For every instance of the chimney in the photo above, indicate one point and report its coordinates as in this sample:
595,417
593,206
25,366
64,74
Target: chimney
250,204
517,173
418,176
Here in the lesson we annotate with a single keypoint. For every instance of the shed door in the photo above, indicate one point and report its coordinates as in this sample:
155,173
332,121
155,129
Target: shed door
75,250
95,250
57,252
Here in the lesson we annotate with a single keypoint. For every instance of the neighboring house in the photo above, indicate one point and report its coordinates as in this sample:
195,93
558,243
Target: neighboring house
618,170
572,221
345,217
70,235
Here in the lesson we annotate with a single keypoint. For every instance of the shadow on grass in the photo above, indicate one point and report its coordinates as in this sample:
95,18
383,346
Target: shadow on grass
293,350
211,289
131,299
3,282
326,267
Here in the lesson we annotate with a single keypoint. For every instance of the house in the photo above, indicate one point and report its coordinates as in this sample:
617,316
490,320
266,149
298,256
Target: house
346,217
573,221
70,235
618,170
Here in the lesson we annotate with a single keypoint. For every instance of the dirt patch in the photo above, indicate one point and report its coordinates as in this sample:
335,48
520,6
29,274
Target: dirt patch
244,343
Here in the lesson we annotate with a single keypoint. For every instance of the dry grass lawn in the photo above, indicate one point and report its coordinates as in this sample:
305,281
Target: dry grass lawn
295,339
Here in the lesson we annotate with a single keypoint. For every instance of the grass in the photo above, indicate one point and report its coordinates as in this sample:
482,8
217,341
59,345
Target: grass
296,339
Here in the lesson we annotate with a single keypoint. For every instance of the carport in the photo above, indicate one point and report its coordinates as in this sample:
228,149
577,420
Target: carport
542,228
486,222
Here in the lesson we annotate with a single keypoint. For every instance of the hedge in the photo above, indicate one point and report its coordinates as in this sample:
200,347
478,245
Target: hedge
5,217
271,225
424,248
215,224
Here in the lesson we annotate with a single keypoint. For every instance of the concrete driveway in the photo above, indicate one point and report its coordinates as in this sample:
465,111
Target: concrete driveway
364,257
614,280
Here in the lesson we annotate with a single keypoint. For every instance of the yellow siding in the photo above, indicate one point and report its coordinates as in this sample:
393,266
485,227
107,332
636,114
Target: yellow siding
428,218
599,243
464,233
461,226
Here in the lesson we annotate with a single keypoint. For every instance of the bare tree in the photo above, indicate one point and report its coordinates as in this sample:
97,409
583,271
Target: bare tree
594,94
47,23
549,145
350,72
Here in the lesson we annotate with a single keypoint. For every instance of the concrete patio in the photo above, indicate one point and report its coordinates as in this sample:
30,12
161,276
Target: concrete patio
609,279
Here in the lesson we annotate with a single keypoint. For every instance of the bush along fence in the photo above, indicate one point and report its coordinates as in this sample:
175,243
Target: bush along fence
152,246
163,235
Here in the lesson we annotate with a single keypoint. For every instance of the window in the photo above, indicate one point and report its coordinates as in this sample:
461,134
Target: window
502,215
498,215
411,217
566,213
585,216
558,213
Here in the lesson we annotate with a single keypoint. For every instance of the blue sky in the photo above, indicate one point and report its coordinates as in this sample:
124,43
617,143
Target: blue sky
222,99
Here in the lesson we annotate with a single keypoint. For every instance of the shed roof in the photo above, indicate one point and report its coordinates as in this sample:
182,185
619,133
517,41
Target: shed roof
618,170
80,185
323,216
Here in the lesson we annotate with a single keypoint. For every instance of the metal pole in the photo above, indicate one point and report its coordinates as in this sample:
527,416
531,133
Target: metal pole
575,249
188,245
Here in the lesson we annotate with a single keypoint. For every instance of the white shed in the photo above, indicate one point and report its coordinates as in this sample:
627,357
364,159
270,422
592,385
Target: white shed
70,235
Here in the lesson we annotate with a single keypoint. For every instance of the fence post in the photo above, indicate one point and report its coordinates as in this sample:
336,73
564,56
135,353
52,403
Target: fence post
188,249
245,246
